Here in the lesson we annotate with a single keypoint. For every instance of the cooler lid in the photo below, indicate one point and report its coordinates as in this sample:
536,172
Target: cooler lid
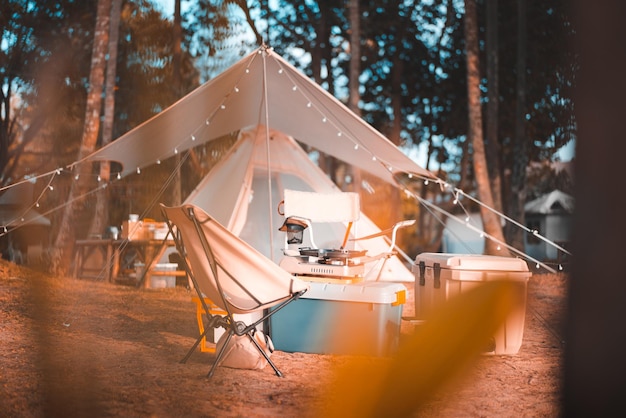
367,292
472,262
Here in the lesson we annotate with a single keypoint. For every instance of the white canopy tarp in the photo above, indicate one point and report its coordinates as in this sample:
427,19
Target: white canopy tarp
260,89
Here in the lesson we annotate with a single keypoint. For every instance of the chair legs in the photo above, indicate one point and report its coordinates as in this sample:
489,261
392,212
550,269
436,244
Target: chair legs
220,354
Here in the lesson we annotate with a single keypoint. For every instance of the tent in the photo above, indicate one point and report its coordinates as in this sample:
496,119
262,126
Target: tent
235,192
261,91
552,215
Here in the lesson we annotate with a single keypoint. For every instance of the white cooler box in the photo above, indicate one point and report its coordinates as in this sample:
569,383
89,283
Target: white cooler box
331,318
440,276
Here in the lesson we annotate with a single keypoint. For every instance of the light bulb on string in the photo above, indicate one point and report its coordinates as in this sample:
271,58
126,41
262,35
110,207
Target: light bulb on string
223,106
537,265
280,71
324,119
294,88
175,150
426,182
308,104
207,122
236,89
138,170
76,177
51,187
560,267
158,162
193,138
356,147
410,175
119,176
37,204
373,158
99,179
339,134
498,248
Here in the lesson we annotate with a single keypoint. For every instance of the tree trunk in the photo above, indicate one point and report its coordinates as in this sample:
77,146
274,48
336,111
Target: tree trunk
520,144
355,71
101,215
493,143
177,77
61,256
491,222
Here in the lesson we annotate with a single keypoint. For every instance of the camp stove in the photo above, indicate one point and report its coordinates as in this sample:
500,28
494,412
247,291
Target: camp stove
324,263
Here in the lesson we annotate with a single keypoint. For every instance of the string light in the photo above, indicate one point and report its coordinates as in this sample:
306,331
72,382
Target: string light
280,71
356,147
426,182
373,158
138,170
324,119
207,122
51,187
193,138
99,179
175,150
119,176
158,161
223,106
76,177
236,89
339,133
294,88
308,104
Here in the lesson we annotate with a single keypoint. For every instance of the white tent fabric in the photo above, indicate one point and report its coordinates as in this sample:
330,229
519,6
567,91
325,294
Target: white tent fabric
236,193
260,89
555,201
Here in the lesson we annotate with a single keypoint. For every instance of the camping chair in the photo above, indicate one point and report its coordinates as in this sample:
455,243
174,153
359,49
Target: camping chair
231,273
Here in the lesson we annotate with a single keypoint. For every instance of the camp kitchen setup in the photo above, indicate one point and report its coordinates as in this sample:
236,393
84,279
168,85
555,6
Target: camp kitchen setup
273,112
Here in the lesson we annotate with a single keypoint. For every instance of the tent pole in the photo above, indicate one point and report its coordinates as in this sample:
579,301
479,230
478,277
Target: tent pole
267,153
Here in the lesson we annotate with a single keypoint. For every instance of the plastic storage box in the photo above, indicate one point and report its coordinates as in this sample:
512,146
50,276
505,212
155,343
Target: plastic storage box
160,278
332,318
441,276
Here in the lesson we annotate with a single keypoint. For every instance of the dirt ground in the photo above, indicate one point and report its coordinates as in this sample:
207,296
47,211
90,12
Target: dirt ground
87,348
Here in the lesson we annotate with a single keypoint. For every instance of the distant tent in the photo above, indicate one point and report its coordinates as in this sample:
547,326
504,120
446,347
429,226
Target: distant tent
459,239
551,215
27,230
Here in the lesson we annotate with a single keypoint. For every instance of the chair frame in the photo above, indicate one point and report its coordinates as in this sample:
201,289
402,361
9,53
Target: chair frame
232,326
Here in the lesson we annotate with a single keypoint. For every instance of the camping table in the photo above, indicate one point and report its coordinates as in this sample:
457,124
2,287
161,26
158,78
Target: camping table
119,258
89,248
